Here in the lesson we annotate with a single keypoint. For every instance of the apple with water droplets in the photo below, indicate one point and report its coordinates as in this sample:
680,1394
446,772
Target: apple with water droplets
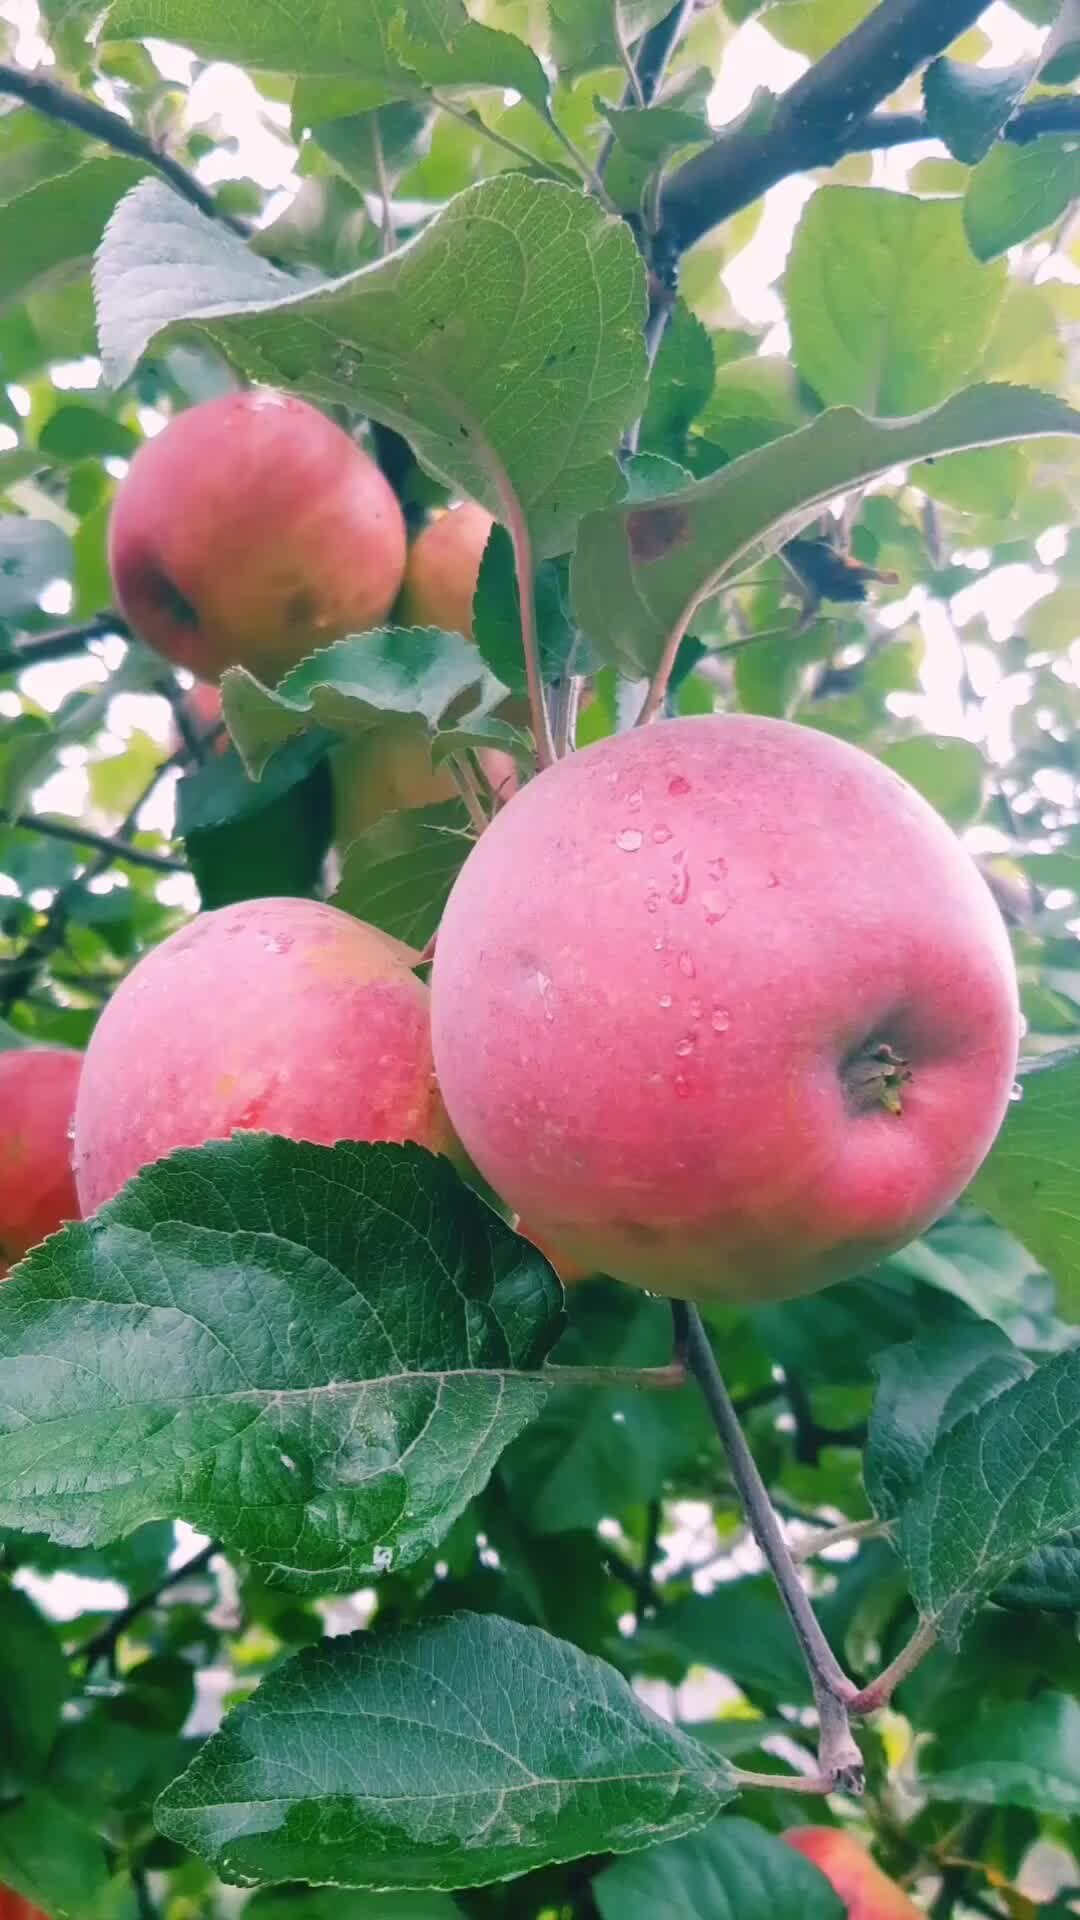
721,1007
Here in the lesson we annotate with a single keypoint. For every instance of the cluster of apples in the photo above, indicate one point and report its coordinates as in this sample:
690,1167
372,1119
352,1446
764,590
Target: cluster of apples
718,1006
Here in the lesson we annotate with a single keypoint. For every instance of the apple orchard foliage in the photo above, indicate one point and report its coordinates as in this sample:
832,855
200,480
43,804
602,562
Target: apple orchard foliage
338,1362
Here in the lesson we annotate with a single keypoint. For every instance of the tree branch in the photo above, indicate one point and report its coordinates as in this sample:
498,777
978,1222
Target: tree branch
62,642
78,836
838,1755
815,119
101,123
103,1643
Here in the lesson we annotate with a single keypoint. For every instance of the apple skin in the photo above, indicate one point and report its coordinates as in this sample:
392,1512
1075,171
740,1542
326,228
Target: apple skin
284,1016
867,1893
37,1186
251,531
13,1906
442,569
659,984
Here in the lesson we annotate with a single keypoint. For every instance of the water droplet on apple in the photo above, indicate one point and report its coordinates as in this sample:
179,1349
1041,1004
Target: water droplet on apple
661,835
680,885
682,1087
664,1000
633,800
1016,1091
686,966
721,1020
678,785
685,1045
629,840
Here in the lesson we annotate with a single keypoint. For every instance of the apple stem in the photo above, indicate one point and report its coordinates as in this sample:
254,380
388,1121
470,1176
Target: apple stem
839,1757
517,527
850,1530
658,685
784,1782
880,1691
461,775
662,1378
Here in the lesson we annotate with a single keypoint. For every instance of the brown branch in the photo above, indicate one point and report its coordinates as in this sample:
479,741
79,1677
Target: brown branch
62,642
103,1644
79,836
815,120
101,123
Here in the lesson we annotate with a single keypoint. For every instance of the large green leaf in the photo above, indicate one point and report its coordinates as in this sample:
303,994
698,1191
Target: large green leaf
1024,1755
50,1855
731,1870
888,310
260,1368
56,225
391,45
33,1689
446,1755
1031,1179
641,569
1004,1482
1017,191
458,340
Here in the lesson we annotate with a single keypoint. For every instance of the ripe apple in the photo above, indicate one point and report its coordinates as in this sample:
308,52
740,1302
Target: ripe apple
251,531
13,1906
867,1893
278,1015
37,1187
442,568
723,1009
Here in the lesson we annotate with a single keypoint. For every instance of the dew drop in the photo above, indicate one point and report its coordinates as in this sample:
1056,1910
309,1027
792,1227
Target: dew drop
773,880
661,835
717,868
680,884
383,1559
685,1045
682,1086
686,965
696,1009
633,800
629,840
543,987
678,785
1016,1091
652,900
659,943
721,1020
664,1001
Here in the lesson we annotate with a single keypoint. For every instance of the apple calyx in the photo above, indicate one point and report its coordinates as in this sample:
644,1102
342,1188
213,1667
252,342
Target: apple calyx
874,1077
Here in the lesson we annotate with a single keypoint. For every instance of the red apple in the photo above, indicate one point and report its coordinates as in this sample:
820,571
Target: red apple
250,532
442,568
14,1907
722,1008
284,1016
867,1893
37,1187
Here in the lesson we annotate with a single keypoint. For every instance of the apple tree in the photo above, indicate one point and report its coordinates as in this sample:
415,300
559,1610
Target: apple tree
511,1409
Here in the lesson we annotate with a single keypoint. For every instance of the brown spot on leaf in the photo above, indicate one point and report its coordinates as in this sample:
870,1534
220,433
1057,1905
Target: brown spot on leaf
655,531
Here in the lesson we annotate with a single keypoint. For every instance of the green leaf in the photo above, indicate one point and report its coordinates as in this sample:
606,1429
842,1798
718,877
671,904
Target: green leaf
967,106
48,1854
1049,1579
1024,1755
950,773
1017,191
741,1630
340,1903
56,225
259,1366
1030,1181
33,148
75,432
753,401
32,553
392,45
1053,623
924,1389
888,310
33,1689
679,387
651,133
416,674
397,875
497,617
446,1755
641,569
583,31
246,839
1004,1482
731,1870
455,341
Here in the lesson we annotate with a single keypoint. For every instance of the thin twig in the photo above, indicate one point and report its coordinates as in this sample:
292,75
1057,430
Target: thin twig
654,51
783,1782
633,84
565,718
662,1379
517,527
838,1755
461,776
79,836
387,234
839,1536
101,123
103,1643
653,703
587,171
62,642
880,1691
470,118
